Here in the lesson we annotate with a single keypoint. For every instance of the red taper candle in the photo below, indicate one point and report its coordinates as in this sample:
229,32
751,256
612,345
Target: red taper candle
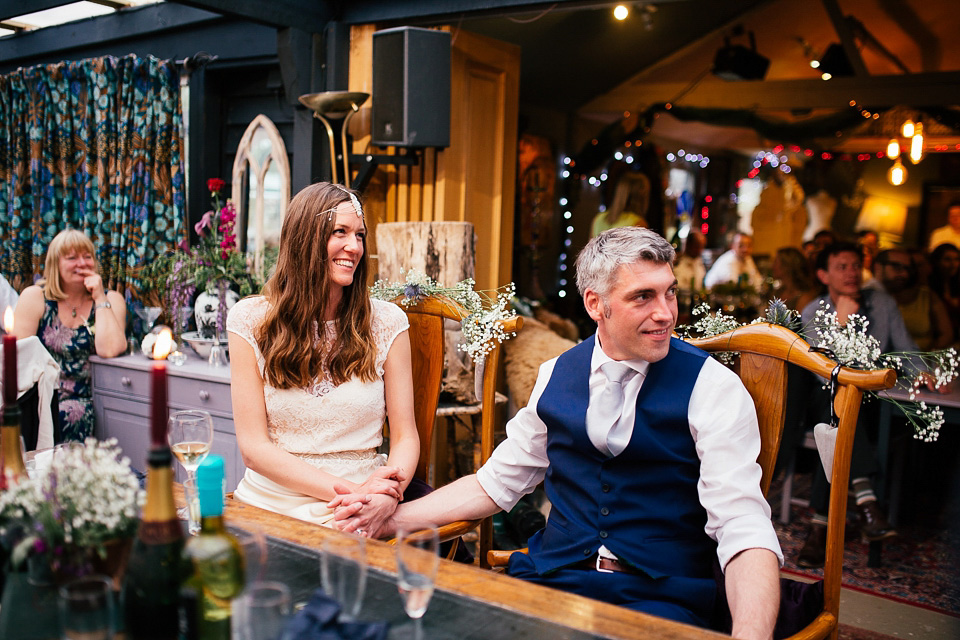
9,360
158,390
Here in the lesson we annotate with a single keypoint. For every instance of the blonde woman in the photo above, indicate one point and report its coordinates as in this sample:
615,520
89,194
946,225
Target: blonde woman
316,366
74,317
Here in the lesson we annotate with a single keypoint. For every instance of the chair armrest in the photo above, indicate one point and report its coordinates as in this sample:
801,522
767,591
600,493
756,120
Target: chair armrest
500,557
450,531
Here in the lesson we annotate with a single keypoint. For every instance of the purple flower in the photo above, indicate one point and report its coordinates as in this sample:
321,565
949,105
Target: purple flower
413,292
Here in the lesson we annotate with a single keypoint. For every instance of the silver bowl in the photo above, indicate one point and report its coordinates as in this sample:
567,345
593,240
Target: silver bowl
201,345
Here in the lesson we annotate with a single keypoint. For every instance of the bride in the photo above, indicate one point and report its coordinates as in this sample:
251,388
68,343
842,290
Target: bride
316,365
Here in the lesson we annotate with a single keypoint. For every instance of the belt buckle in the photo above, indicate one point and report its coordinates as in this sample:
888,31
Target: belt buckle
599,557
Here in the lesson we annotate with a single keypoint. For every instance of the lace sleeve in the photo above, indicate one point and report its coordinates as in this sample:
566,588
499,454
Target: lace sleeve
389,321
243,319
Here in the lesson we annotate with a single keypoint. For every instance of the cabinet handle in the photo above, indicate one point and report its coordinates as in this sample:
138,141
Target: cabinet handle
204,395
125,381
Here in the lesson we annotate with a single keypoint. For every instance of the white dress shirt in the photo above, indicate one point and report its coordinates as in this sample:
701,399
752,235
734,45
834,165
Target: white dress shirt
723,423
728,268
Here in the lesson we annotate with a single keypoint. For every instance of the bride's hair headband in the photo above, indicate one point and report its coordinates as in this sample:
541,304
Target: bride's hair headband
353,201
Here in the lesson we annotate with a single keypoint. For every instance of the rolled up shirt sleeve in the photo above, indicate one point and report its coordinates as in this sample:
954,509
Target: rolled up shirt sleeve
723,423
518,465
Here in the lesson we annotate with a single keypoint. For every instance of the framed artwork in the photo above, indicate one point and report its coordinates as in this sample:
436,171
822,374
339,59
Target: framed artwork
933,207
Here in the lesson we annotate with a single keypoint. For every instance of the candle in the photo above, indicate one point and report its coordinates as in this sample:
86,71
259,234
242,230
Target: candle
9,360
158,395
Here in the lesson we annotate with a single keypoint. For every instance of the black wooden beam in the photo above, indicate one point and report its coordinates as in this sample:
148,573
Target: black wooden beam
308,15
927,89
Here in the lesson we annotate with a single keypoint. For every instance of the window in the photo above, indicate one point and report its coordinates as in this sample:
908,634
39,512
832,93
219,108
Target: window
261,190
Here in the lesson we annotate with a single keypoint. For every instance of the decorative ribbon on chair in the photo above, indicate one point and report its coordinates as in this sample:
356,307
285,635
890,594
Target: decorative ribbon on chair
826,434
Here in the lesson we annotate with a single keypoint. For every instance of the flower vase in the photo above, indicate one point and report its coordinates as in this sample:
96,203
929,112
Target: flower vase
207,309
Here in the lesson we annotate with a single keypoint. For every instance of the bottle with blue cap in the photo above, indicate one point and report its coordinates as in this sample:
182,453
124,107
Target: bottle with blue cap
215,561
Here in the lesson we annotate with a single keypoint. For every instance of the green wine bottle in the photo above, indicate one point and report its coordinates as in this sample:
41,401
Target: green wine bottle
155,569
214,559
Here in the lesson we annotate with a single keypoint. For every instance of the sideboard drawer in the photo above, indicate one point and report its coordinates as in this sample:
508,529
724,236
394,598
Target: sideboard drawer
122,380
200,394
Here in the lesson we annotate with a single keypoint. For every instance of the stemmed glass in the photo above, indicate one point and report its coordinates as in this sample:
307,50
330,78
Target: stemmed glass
417,562
149,315
190,436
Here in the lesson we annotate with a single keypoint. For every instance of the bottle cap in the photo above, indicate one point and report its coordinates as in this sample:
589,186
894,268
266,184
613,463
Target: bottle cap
210,485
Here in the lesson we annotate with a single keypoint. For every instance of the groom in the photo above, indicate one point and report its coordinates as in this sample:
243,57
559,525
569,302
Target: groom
647,448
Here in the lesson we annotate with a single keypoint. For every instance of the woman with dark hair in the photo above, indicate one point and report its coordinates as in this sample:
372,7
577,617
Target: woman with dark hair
945,281
316,366
74,317
794,282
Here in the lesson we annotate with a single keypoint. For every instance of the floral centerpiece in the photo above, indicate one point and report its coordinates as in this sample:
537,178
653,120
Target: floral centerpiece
215,266
480,328
851,346
71,513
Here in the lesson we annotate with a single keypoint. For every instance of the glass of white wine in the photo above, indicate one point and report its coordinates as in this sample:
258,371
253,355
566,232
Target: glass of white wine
417,561
190,435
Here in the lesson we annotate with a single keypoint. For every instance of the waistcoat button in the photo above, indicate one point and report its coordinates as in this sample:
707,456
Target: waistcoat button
603,534
604,511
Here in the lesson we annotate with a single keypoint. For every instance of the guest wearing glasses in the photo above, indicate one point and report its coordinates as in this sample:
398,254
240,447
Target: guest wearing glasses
924,314
647,448
316,366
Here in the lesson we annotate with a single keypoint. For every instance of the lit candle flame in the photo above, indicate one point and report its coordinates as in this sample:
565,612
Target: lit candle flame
163,344
8,320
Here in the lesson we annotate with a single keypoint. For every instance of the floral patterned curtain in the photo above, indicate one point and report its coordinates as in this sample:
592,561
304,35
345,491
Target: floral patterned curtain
94,145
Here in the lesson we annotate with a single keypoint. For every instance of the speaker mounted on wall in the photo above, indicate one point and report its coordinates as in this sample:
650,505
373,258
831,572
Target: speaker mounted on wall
411,88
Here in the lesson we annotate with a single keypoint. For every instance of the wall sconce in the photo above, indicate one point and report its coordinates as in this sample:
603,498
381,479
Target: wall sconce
897,174
884,216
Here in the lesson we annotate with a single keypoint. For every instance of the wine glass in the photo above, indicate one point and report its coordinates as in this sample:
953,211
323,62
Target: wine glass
190,436
343,572
417,562
149,315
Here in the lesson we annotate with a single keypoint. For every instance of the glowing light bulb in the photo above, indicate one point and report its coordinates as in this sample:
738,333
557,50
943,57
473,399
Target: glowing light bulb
893,148
815,64
907,129
620,12
897,174
825,75
916,145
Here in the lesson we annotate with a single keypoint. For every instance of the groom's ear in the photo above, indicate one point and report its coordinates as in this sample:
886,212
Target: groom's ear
593,303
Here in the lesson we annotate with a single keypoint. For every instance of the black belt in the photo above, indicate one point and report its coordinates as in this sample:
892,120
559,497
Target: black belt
606,565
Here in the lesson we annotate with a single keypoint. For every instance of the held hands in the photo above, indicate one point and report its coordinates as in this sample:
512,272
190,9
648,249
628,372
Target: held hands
365,515
385,480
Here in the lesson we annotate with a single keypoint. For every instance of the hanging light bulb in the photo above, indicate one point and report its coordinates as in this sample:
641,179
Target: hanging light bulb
907,129
897,174
893,148
620,12
916,144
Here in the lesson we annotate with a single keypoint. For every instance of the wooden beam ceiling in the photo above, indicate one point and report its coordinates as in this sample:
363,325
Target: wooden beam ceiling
877,92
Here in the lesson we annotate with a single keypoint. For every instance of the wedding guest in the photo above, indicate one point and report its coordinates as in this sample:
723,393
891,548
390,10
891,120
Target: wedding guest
869,243
689,269
735,265
790,270
316,366
945,281
74,317
924,314
652,478
950,232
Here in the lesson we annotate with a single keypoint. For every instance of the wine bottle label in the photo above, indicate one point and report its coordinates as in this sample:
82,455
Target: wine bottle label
162,532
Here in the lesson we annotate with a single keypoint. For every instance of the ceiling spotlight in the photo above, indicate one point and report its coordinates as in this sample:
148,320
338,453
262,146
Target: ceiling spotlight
893,149
620,12
737,62
897,174
834,62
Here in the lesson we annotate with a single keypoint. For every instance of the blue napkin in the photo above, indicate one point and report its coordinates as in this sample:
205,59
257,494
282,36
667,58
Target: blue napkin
318,620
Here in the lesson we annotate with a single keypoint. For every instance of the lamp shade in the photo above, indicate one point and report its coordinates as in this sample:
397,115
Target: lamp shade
882,215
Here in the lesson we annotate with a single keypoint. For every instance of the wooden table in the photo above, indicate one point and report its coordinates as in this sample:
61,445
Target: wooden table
466,592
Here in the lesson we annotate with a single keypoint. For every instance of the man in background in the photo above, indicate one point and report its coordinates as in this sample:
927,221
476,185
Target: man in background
736,265
950,232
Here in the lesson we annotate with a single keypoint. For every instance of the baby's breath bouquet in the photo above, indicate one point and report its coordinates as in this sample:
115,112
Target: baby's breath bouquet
480,328
68,513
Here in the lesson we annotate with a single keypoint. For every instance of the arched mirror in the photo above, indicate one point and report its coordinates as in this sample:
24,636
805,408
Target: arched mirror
261,190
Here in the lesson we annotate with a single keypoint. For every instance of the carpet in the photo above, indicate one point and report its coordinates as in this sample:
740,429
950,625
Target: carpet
846,632
921,567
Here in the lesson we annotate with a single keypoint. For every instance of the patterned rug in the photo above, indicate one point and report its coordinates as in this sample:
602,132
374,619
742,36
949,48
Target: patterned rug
921,567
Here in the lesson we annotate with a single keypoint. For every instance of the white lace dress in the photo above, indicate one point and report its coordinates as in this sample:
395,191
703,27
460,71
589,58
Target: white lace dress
336,428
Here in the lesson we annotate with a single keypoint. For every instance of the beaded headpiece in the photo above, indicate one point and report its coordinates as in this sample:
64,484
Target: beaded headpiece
353,200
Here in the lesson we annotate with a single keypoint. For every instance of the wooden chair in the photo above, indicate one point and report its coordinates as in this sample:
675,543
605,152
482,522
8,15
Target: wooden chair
427,355
765,350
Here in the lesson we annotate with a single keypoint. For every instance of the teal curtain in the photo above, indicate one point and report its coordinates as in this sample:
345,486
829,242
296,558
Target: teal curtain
94,145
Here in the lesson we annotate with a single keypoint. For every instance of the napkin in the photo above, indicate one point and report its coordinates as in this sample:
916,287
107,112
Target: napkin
318,620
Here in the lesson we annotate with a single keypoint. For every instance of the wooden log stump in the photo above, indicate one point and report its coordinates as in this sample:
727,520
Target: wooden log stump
445,251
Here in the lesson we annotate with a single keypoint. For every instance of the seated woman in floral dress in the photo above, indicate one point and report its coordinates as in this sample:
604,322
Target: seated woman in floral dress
74,317
316,366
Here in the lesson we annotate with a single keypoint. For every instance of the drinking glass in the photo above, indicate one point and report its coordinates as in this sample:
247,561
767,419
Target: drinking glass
263,611
86,609
254,546
149,315
190,435
417,562
192,498
343,571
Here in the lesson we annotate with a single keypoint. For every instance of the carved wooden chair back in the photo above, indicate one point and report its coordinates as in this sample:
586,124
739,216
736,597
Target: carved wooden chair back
765,350
427,350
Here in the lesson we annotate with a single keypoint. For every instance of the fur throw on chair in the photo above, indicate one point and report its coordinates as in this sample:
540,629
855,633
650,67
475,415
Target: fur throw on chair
524,354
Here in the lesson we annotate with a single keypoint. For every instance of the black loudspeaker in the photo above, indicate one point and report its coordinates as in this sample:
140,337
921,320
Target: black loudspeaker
411,88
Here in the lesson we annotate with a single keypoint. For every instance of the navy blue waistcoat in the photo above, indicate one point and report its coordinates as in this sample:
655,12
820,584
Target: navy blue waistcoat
641,504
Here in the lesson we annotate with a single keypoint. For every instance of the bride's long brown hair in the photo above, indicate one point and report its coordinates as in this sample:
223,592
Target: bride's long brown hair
298,293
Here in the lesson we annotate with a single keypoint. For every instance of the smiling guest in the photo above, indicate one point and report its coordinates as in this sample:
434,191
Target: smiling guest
74,317
316,365
647,447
